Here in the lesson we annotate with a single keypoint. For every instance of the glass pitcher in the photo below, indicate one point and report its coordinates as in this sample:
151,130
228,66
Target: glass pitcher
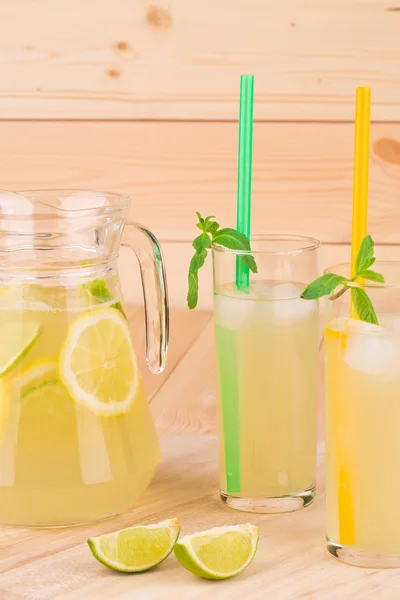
77,441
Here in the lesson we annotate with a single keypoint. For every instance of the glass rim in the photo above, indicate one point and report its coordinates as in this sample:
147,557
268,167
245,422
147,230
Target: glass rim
368,284
311,244
118,202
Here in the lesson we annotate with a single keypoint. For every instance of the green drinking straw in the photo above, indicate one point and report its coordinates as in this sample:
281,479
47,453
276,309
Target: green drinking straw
245,156
228,357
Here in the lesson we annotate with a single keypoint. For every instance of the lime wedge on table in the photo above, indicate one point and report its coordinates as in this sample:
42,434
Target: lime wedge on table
219,553
136,549
17,336
98,363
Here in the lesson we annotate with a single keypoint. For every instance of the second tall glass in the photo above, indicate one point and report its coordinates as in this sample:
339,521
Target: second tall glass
362,376
267,363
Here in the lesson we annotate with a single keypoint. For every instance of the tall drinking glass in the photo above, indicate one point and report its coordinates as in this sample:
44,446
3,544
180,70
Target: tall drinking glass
363,426
267,357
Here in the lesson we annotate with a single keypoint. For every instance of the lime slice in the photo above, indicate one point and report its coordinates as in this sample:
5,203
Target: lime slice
98,363
98,289
136,549
17,336
219,553
34,376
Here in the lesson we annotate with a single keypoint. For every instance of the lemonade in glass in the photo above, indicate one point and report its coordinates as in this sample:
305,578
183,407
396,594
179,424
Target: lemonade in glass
266,340
362,425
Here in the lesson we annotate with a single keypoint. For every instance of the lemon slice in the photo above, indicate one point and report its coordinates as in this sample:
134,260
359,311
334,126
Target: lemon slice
34,376
219,553
98,363
17,336
136,549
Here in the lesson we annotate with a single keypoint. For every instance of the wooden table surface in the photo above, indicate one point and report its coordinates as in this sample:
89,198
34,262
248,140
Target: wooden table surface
291,563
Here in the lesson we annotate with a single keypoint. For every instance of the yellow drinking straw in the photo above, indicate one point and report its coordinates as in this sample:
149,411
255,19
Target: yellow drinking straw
347,531
360,180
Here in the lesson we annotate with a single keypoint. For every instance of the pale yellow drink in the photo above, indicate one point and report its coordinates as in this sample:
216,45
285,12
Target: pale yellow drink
362,437
60,461
267,359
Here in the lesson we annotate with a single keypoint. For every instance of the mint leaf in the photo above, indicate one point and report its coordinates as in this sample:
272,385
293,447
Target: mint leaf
193,290
250,262
202,242
323,286
210,226
363,306
207,225
200,224
369,263
371,276
211,233
365,257
233,239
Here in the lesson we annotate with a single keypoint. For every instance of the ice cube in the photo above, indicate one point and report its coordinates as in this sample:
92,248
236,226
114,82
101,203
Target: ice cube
391,322
285,291
370,348
231,312
287,306
262,289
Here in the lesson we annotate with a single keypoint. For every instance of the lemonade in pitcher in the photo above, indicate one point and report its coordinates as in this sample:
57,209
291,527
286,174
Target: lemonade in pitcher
77,441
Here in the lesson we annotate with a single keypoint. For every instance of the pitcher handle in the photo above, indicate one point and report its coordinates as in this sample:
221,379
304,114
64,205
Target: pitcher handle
152,269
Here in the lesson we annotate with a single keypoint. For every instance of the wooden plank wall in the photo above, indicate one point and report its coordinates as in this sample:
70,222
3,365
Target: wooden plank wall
141,97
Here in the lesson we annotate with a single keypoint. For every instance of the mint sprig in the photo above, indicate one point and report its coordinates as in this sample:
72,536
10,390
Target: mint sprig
212,234
328,283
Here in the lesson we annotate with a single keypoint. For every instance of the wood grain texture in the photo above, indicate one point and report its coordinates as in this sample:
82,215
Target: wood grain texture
9,596
191,407
173,59
302,172
180,320
291,563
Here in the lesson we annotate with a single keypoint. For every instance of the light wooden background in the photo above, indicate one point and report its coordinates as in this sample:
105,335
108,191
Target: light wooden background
141,96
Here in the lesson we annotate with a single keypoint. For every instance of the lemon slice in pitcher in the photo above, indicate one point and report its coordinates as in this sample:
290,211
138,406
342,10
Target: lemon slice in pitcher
218,553
17,336
136,549
98,363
